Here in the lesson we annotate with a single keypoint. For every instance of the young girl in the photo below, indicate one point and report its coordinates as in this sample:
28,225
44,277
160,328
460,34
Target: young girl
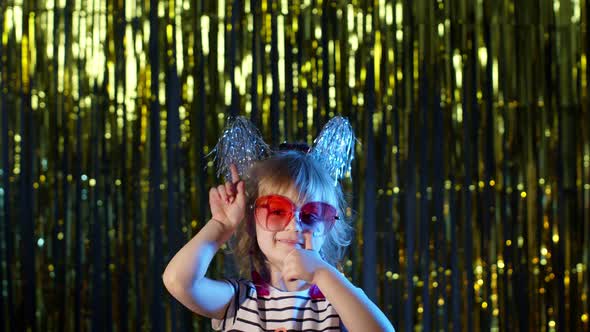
287,217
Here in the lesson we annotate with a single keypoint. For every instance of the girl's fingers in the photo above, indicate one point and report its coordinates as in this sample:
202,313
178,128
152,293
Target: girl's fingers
230,189
288,275
222,193
308,244
285,262
235,176
241,193
214,194
240,188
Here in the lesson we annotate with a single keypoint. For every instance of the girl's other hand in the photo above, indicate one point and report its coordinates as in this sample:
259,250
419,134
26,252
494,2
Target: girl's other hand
302,264
228,202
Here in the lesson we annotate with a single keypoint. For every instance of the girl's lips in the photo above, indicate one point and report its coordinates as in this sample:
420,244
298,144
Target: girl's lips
292,243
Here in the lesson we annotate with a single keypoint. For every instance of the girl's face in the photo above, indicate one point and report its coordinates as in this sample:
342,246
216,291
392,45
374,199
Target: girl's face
276,245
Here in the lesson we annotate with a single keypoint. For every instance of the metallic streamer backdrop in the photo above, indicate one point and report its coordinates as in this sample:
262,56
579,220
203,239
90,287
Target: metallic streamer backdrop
470,190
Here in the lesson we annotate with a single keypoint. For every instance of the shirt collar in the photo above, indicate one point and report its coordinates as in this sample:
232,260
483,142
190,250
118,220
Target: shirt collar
263,288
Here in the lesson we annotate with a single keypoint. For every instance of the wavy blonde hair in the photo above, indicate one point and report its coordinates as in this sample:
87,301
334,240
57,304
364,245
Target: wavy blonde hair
308,176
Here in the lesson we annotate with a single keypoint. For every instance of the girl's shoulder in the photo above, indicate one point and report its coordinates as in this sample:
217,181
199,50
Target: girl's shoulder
244,289
239,283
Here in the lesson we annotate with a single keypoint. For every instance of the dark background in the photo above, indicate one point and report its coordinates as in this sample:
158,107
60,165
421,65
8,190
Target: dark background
470,189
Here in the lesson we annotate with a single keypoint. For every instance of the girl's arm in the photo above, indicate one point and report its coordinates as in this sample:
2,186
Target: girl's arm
356,310
185,279
184,276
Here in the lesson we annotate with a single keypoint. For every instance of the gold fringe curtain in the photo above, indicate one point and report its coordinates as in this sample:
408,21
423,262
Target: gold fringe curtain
470,190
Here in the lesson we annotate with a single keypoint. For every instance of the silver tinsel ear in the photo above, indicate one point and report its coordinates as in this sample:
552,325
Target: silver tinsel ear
240,144
334,147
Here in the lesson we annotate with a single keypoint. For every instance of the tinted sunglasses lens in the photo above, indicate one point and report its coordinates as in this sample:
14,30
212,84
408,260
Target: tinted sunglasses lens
314,212
273,212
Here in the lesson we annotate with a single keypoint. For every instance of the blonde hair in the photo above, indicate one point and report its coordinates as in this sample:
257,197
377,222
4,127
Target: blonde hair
282,170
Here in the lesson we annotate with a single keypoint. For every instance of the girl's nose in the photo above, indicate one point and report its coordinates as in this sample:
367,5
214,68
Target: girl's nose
294,224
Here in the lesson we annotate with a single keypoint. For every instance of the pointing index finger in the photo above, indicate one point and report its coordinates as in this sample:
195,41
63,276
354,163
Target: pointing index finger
308,243
235,176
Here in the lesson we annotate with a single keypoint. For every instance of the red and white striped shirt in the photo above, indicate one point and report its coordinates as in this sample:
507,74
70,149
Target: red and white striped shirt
265,308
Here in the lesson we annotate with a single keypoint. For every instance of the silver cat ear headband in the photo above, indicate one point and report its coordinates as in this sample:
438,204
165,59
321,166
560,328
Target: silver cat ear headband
241,144
334,147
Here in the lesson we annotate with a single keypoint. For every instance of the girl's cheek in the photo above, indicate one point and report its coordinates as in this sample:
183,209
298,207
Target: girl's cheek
318,243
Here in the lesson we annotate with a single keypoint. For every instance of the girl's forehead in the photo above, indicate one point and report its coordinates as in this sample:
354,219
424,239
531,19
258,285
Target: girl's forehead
267,187
288,190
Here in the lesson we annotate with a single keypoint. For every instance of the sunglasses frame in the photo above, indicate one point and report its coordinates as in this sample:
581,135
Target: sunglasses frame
295,211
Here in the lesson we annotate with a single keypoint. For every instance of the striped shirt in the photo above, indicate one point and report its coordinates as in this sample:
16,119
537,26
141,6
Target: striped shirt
270,309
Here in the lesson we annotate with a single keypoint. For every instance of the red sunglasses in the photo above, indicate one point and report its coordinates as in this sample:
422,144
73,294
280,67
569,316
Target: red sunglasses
274,212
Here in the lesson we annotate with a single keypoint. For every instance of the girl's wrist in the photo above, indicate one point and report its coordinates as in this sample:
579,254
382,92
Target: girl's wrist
323,273
225,230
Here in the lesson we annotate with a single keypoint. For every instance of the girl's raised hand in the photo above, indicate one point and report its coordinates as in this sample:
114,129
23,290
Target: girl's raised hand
228,202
